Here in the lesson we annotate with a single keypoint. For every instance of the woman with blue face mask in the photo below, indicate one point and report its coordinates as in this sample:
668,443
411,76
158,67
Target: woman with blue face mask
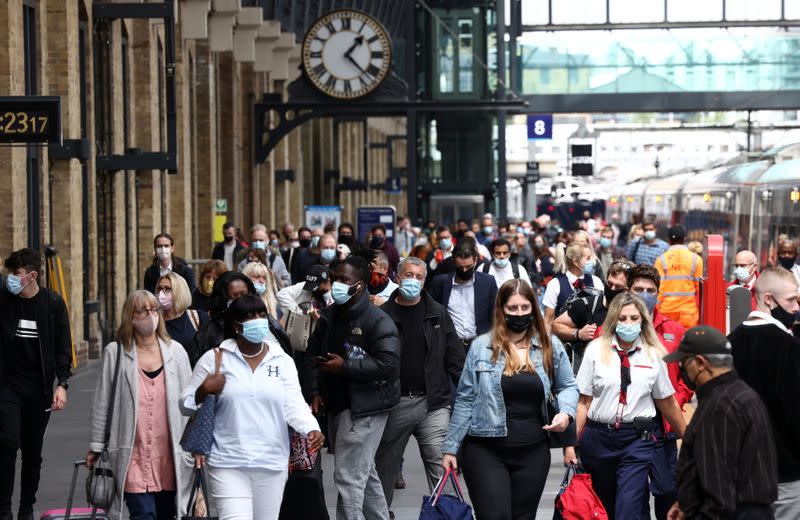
502,266
265,285
258,398
622,383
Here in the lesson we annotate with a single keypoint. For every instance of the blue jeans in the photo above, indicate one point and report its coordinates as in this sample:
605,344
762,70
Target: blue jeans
151,506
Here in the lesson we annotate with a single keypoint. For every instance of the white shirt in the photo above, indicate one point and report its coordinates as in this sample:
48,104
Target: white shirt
796,272
164,270
229,254
551,292
290,298
756,318
505,274
483,251
649,380
254,408
461,308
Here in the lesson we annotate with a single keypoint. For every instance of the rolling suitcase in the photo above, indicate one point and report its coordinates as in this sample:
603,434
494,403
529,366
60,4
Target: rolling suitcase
76,513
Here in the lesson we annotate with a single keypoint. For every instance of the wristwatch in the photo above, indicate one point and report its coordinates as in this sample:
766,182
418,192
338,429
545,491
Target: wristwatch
64,385
575,334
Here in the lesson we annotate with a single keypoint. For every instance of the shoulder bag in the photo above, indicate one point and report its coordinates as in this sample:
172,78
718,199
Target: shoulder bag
100,484
198,436
576,499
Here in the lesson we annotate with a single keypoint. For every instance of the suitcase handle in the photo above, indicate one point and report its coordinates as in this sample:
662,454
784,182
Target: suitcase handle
76,464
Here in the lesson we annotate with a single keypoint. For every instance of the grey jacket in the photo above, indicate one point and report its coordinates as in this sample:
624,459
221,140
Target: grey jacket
177,373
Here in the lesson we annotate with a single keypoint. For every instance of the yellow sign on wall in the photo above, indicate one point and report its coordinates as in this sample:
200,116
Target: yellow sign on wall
219,221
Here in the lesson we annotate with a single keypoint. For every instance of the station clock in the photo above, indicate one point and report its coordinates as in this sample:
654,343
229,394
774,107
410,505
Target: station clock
347,54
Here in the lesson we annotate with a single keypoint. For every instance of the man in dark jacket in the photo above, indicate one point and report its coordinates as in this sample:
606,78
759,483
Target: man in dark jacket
36,352
467,295
431,357
354,353
228,250
767,358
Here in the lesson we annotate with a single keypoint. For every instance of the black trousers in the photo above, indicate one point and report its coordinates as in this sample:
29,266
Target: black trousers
504,483
23,422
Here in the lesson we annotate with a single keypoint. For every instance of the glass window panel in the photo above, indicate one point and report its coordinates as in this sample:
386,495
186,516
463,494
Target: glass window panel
579,11
535,12
446,62
694,10
508,12
792,9
628,11
749,10
465,49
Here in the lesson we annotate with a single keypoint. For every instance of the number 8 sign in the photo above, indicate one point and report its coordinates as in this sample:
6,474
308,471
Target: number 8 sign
540,126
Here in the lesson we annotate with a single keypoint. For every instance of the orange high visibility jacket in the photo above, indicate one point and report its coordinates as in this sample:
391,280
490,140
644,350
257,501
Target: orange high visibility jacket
680,271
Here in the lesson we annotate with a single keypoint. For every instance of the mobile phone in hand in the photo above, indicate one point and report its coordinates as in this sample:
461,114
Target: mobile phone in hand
321,359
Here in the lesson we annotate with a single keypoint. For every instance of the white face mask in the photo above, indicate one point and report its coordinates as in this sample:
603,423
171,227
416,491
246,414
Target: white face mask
163,252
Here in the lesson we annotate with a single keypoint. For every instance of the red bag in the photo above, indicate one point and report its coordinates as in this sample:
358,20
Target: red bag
576,500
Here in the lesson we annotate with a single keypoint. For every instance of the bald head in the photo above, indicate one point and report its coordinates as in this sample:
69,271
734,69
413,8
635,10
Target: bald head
776,286
746,264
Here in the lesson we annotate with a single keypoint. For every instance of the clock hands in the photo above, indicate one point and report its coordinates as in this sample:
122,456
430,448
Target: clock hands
357,42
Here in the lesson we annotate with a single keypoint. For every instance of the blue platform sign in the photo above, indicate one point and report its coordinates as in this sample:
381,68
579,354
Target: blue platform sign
540,126
368,216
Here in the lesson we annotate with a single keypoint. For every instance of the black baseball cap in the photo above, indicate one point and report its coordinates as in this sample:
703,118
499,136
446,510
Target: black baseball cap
676,232
318,275
702,340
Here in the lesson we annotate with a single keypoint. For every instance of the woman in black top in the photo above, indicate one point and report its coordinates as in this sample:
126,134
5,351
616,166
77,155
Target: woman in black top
165,261
174,297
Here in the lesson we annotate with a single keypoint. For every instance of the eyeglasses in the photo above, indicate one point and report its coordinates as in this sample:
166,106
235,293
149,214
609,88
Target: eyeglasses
149,311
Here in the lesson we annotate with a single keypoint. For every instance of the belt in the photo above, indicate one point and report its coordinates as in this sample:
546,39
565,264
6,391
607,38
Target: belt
611,426
412,394
467,342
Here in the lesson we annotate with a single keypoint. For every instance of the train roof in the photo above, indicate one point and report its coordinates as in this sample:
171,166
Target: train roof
785,172
745,173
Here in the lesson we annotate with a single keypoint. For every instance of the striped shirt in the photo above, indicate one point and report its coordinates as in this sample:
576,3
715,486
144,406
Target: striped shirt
728,461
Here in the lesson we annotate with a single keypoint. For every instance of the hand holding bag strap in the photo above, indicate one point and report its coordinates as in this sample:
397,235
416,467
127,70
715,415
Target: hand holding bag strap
456,485
193,494
206,496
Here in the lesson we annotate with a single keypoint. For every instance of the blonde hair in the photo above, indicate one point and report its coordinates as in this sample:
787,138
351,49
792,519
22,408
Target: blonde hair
632,232
582,237
651,345
137,300
573,252
181,297
501,334
695,247
256,269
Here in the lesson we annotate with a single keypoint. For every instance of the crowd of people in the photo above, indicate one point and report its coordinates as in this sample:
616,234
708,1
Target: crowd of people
490,343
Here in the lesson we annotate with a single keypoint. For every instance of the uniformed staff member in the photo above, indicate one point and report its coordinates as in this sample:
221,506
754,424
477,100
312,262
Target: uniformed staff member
746,273
575,267
680,271
622,381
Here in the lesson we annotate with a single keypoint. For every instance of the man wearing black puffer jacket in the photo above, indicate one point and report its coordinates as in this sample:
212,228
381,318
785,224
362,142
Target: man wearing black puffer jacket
354,356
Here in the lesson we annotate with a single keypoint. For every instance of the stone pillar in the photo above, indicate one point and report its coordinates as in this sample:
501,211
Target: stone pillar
180,185
207,145
229,115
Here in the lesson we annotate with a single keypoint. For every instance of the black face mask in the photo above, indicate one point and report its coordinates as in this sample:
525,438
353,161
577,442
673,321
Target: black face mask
376,242
346,240
691,385
783,316
519,323
464,274
610,294
229,239
787,263
305,242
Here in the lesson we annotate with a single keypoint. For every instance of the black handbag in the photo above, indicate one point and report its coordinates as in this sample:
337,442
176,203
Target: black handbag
198,485
101,486
568,437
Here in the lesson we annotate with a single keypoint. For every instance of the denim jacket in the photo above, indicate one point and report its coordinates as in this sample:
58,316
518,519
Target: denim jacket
480,410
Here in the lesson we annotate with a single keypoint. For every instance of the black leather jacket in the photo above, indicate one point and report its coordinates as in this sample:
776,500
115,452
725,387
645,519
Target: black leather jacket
444,352
373,383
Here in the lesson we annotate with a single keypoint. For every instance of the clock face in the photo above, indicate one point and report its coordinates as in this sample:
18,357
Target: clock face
346,54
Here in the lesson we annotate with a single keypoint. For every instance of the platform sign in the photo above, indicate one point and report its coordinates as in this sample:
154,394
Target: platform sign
221,205
368,216
540,126
321,216
30,119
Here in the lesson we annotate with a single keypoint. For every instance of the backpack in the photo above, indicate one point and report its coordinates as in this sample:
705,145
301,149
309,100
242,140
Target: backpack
567,291
514,268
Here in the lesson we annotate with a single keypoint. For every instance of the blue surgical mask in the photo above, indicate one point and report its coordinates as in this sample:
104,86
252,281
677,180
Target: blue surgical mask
629,331
341,292
274,242
649,235
445,243
588,267
649,299
259,244
501,263
260,287
328,255
742,274
605,242
314,241
487,230
14,284
256,330
410,288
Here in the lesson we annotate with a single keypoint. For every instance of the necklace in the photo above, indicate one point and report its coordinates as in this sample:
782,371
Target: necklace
251,356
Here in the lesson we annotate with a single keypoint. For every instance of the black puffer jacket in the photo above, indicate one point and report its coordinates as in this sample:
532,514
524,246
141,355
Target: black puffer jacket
373,383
